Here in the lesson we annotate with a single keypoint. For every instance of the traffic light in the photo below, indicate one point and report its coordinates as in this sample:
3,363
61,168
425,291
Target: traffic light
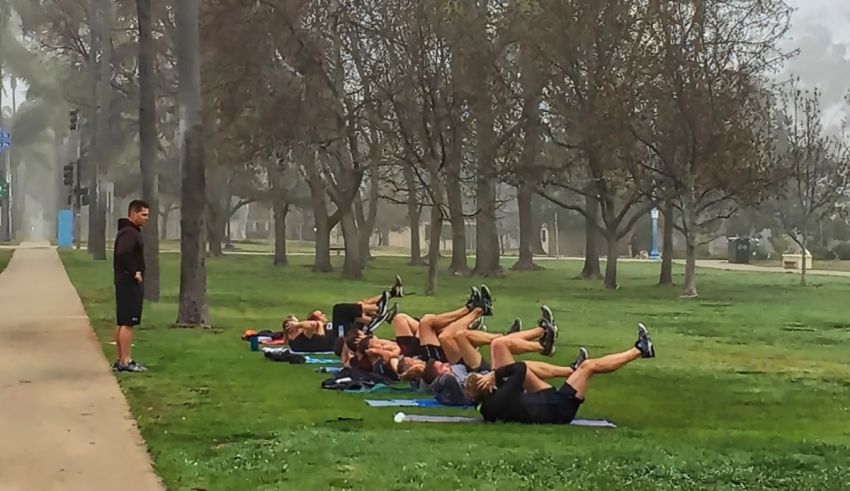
4,187
74,119
68,175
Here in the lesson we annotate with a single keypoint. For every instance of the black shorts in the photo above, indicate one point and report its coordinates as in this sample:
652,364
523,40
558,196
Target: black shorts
564,404
410,346
484,367
129,299
344,317
316,344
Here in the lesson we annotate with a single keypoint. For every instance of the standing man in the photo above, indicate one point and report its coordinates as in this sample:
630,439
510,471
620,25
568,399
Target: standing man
128,264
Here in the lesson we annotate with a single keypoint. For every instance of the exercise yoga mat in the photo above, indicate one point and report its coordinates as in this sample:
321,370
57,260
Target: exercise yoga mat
320,361
408,403
421,418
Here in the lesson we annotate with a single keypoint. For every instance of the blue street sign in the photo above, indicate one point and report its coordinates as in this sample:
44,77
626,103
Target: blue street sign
5,140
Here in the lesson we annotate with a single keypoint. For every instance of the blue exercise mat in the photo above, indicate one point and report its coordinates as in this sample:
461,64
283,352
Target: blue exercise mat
408,403
310,360
421,418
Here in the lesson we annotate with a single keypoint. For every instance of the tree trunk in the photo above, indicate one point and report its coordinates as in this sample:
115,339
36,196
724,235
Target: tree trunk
413,215
591,269
454,196
353,266
193,310
163,232
611,263
803,242
527,232
215,227
434,235
147,148
281,208
101,38
322,261
666,277
689,289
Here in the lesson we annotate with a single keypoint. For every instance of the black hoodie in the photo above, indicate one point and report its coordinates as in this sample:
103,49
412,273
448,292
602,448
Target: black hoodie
129,254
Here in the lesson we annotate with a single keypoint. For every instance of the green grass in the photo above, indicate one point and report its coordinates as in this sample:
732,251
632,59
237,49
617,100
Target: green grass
749,390
5,257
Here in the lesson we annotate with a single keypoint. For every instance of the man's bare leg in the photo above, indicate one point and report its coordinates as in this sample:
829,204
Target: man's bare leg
447,335
125,334
546,371
607,364
438,322
503,348
405,325
308,328
119,352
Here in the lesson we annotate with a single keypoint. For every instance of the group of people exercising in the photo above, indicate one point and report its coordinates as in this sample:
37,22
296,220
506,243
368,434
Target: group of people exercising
443,352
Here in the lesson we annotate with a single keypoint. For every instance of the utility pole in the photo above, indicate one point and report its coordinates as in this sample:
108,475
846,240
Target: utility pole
78,190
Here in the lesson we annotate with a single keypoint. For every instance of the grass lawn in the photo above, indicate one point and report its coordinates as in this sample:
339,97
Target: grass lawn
5,257
749,390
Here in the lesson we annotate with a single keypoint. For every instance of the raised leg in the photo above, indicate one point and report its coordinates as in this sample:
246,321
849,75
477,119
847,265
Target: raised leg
607,364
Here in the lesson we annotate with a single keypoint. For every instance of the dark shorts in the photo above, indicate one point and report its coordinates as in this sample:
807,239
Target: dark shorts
410,346
344,316
316,344
564,404
434,353
484,367
129,299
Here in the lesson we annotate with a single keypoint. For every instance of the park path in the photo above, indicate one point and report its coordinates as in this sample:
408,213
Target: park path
64,423
721,264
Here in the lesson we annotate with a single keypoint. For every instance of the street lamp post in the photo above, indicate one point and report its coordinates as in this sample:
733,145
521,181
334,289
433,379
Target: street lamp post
653,253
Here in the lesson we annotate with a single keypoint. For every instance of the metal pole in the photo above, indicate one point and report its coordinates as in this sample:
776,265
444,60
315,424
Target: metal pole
78,195
653,253
557,250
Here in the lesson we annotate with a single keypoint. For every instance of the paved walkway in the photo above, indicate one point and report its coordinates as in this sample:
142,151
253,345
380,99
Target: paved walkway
721,264
64,423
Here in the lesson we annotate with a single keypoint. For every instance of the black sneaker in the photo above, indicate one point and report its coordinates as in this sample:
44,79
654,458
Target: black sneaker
478,325
474,299
515,327
547,341
391,312
486,300
547,318
582,356
131,367
644,342
397,290
376,322
116,365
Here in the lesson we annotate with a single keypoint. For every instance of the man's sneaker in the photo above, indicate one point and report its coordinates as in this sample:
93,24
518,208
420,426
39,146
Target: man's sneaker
478,325
644,342
547,318
376,322
474,299
391,312
486,300
383,303
547,341
582,356
515,327
131,367
115,365
397,290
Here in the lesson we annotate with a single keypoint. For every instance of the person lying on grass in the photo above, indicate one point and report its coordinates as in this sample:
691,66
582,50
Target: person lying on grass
516,391
446,378
414,338
316,333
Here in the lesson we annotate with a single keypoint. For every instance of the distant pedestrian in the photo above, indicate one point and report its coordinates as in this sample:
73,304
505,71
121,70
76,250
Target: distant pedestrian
129,269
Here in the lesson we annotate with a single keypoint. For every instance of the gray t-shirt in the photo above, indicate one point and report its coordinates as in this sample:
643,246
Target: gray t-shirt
460,372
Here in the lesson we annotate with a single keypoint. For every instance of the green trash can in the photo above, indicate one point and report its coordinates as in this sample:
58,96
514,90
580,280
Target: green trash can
739,250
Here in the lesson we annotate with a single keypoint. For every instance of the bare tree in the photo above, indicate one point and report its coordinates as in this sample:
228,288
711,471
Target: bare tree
817,167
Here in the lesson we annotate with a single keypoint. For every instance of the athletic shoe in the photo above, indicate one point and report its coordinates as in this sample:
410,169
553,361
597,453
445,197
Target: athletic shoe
547,341
376,322
383,303
582,356
478,325
116,365
547,318
474,299
515,327
644,342
391,312
131,367
397,290
486,300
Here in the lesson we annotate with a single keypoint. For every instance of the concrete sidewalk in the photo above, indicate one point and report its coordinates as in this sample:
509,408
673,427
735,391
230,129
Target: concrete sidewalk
64,423
727,266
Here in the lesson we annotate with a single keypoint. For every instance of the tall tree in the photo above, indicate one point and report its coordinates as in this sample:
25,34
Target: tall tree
193,310
147,146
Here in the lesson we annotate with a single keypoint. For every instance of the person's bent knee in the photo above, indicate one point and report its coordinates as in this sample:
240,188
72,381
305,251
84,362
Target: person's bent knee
427,319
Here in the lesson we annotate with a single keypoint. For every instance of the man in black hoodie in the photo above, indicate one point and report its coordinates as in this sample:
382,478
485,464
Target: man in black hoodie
128,264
